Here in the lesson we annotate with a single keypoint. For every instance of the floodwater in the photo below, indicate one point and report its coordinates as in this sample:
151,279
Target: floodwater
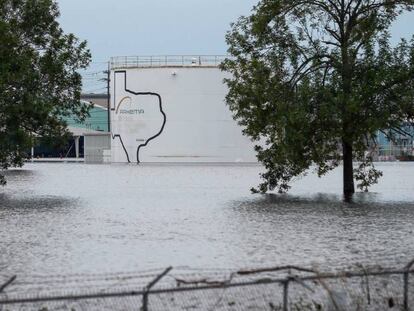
75,218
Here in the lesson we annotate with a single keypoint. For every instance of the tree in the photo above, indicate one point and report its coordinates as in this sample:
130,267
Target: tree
39,82
313,81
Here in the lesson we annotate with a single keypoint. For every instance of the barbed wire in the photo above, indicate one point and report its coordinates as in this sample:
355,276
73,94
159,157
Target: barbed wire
207,291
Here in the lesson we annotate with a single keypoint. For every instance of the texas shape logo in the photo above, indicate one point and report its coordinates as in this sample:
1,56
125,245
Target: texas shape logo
138,117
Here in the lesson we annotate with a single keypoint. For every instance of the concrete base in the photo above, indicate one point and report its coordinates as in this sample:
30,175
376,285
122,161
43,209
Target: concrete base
57,160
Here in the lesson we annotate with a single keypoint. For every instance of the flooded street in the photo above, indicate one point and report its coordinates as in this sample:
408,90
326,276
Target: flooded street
74,218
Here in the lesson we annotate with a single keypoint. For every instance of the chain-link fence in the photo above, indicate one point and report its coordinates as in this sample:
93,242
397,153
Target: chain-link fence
278,288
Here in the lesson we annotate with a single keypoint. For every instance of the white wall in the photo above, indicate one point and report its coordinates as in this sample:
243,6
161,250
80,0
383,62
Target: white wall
95,146
198,125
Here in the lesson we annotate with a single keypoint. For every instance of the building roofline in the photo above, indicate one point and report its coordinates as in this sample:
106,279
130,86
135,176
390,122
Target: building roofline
93,95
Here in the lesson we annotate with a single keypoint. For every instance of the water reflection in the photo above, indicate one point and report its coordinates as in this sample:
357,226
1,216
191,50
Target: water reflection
13,173
361,200
36,204
323,230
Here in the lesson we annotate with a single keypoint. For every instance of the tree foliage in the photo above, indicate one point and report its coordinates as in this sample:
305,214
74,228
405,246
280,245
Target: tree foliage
312,82
39,82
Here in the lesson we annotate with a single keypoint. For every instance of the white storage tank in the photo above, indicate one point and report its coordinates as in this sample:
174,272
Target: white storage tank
172,109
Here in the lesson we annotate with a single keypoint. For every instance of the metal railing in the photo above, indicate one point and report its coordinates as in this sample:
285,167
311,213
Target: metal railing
122,62
396,151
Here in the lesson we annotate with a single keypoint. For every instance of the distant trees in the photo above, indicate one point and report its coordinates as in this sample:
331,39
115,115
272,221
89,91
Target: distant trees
39,82
314,81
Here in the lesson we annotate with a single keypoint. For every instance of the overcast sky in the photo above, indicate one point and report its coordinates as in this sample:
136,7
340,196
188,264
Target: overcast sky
160,27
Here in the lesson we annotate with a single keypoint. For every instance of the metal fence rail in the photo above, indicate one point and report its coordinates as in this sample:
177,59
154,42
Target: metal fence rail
279,288
122,62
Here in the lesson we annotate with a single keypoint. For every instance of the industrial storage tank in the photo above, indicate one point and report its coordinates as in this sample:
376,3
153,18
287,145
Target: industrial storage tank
172,109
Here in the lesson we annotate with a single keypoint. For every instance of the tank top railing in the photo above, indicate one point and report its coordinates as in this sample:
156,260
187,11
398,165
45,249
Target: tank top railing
119,62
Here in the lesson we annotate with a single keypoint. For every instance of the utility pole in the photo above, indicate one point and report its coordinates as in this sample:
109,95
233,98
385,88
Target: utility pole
108,81
109,97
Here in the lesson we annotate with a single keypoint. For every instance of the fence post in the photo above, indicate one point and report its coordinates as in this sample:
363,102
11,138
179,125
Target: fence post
286,294
149,286
406,277
8,282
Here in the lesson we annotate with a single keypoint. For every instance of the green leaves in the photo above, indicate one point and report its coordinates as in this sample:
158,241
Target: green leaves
366,174
39,79
309,77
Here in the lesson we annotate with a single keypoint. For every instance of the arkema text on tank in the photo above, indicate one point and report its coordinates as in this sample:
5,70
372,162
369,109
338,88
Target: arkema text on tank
172,109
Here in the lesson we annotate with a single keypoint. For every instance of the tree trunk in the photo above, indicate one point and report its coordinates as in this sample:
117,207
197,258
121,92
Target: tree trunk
349,188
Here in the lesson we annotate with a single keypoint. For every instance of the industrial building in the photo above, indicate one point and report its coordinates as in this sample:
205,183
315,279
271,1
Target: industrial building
396,145
172,109
96,124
